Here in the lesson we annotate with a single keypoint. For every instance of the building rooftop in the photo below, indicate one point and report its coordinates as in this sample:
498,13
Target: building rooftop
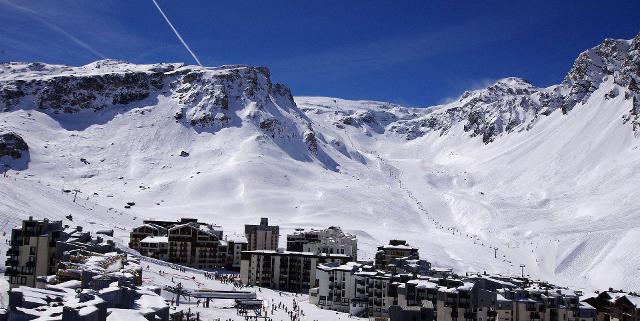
237,238
155,239
284,252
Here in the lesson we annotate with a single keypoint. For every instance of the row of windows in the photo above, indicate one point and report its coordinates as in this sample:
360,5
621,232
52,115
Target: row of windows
21,280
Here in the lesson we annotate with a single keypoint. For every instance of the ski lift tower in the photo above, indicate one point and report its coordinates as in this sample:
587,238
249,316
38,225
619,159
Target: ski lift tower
178,290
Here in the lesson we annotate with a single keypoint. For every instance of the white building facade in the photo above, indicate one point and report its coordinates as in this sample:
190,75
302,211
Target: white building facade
331,240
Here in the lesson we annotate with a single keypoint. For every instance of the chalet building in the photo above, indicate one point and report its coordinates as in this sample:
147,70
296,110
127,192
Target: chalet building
284,270
156,247
148,229
197,245
331,240
626,308
33,251
616,306
394,250
262,236
169,224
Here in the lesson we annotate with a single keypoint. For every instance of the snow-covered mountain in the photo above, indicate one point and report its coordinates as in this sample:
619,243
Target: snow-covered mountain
546,175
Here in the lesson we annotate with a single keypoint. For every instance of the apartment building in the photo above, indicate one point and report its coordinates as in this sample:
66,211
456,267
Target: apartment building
170,224
236,244
337,287
148,229
330,240
358,289
33,251
364,291
394,250
284,270
156,247
197,245
412,266
262,236
454,302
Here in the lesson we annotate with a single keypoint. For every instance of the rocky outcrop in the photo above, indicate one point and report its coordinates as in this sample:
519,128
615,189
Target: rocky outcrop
92,87
203,98
12,145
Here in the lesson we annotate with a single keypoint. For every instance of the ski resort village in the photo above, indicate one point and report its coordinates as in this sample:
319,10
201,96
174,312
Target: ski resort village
191,270
192,160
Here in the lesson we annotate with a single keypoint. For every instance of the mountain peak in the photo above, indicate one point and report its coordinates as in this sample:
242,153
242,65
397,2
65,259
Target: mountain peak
510,86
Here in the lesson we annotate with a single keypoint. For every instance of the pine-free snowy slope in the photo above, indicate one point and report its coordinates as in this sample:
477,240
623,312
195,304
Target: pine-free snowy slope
546,175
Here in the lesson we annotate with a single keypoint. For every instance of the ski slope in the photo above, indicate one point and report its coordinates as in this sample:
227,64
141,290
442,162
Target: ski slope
554,191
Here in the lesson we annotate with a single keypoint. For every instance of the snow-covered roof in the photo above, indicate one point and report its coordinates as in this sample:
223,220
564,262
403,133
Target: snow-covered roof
123,314
207,229
635,300
398,247
349,266
236,238
298,253
423,284
155,239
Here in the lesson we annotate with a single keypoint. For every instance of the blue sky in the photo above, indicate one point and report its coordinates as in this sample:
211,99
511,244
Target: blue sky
412,52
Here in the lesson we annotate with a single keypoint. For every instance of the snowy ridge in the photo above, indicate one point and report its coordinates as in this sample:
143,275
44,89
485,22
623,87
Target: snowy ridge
546,176
513,104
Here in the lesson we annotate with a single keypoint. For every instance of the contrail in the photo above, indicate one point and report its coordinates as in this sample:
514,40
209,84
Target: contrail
177,33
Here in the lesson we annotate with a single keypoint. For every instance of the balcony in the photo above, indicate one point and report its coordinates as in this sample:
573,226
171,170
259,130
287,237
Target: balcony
12,251
11,262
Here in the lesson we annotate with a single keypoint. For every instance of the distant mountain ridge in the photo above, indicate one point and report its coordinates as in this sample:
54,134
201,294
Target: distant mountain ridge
514,104
547,175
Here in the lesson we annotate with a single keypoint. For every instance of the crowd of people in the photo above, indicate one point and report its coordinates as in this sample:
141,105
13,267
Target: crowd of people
233,279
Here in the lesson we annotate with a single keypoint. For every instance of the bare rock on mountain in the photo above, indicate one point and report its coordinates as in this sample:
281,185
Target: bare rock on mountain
12,145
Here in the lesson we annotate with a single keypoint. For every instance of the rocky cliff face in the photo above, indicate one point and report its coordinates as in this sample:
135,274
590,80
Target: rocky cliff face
206,99
514,104
92,87
210,99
